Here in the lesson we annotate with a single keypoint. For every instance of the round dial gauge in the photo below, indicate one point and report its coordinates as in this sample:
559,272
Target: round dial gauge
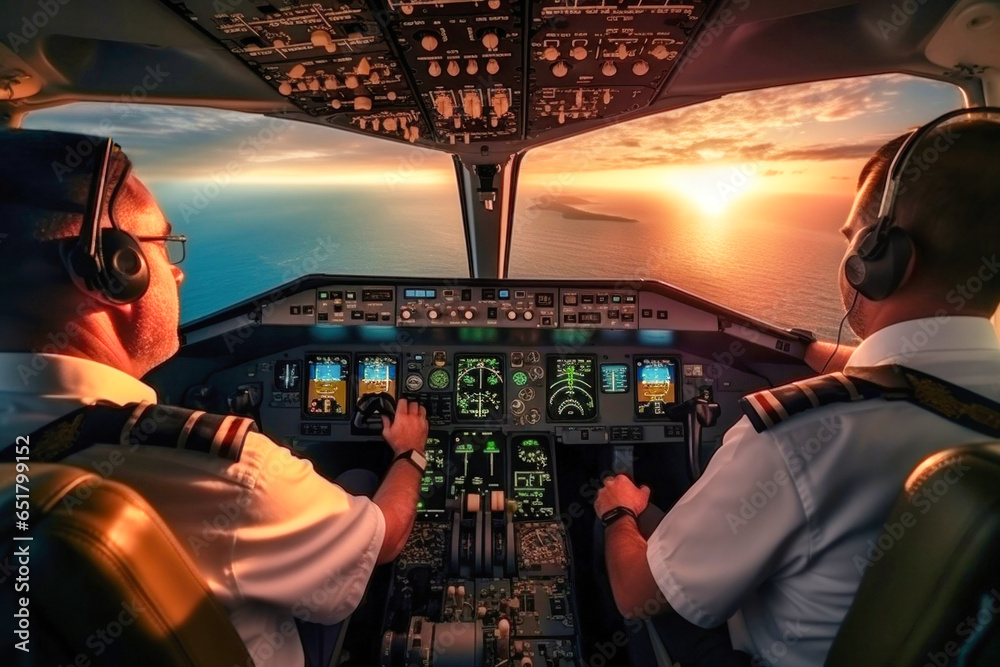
414,382
520,378
438,379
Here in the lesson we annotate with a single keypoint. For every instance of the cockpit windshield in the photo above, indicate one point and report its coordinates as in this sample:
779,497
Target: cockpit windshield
265,201
739,200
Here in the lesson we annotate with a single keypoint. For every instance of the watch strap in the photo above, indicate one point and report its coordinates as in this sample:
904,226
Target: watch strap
616,513
408,456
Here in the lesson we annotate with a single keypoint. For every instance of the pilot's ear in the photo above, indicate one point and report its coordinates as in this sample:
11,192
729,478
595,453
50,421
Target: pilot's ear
910,268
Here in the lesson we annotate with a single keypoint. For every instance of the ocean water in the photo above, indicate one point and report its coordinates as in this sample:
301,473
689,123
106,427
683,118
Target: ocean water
772,258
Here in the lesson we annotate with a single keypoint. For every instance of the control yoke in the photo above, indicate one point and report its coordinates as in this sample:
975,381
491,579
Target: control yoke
699,412
371,406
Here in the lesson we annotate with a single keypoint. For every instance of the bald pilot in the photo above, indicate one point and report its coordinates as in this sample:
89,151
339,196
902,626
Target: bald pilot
766,551
299,545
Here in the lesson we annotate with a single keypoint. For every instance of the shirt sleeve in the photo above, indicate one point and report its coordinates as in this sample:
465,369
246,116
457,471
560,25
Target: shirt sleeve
739,524
304,544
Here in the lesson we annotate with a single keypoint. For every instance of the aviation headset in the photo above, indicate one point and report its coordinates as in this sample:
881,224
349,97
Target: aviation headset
106,264
877,267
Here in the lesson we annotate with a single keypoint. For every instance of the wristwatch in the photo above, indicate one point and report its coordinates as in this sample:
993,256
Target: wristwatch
414,457
616,513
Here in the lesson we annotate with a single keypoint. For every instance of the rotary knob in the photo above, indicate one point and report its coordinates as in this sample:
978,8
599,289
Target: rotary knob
444,106
559,69
433,314
285,88
640,68
351,81
551,53
406,314
491,41
429,42
517,406
472,67
609,69
529,315
362,103
297,71
578,53
364,67
660,52
511,315
469,314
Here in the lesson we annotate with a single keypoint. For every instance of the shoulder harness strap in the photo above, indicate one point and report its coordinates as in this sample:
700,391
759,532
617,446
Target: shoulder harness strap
138,424
769,407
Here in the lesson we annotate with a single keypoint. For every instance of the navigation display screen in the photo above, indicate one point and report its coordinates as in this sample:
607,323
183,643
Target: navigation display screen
327,390
571,394
432,485
376,374
479,387
655,386
477,463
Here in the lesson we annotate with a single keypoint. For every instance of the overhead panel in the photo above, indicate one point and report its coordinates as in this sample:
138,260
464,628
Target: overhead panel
457,72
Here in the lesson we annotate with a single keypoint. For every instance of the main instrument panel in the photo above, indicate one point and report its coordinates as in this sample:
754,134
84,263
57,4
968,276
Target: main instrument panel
457,72
522,381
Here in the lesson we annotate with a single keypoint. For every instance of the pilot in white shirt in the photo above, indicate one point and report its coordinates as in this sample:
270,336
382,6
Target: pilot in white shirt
272,539
775,536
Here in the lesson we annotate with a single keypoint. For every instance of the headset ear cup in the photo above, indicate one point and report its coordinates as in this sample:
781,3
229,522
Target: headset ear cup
880,274
126,272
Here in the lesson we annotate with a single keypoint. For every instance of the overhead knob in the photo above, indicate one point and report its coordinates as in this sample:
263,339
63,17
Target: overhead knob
406,314
500,103
491,41
578,53
469,314
314,84
529,315
640,67
374,79
453,313
336,104
472,105
493,4
362,103
364,67
444,105
492,66
560,69
471,67
609,69
330,83
454,68
429,42
622,51
551,53
391,96
390,124
351,81
434,69
322,38
512,315
660,52
285,88
433,314
297,71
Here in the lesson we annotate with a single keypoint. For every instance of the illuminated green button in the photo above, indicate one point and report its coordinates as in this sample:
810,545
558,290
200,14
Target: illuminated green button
520,378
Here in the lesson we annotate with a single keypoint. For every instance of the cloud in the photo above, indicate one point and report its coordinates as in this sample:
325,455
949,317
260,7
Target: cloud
773,172
841,178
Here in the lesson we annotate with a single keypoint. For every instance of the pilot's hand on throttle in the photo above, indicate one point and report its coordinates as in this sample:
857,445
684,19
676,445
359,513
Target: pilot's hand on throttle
620,491
408,430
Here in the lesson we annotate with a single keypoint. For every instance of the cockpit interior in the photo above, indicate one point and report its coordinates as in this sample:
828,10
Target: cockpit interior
545,360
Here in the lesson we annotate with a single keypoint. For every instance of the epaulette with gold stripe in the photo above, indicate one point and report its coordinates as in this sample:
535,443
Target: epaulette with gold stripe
139,424
769,407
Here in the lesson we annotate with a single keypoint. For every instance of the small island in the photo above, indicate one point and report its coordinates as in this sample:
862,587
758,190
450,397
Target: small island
565,206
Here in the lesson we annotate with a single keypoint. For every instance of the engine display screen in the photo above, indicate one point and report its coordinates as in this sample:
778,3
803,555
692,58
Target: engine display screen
327,389
479,387
571,394
477,462
376,374
655,386
534,489
614,378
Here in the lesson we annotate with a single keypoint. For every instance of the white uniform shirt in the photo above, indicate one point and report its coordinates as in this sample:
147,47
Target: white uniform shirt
777,533
272,538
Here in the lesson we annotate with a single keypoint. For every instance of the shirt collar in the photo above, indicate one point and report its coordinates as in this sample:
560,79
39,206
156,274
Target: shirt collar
62,376
900,342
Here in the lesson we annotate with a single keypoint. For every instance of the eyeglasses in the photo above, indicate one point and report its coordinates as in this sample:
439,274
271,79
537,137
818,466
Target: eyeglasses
176,245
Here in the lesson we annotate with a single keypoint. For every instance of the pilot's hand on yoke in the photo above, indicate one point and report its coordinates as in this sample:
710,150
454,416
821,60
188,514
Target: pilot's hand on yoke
408,429
621,491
